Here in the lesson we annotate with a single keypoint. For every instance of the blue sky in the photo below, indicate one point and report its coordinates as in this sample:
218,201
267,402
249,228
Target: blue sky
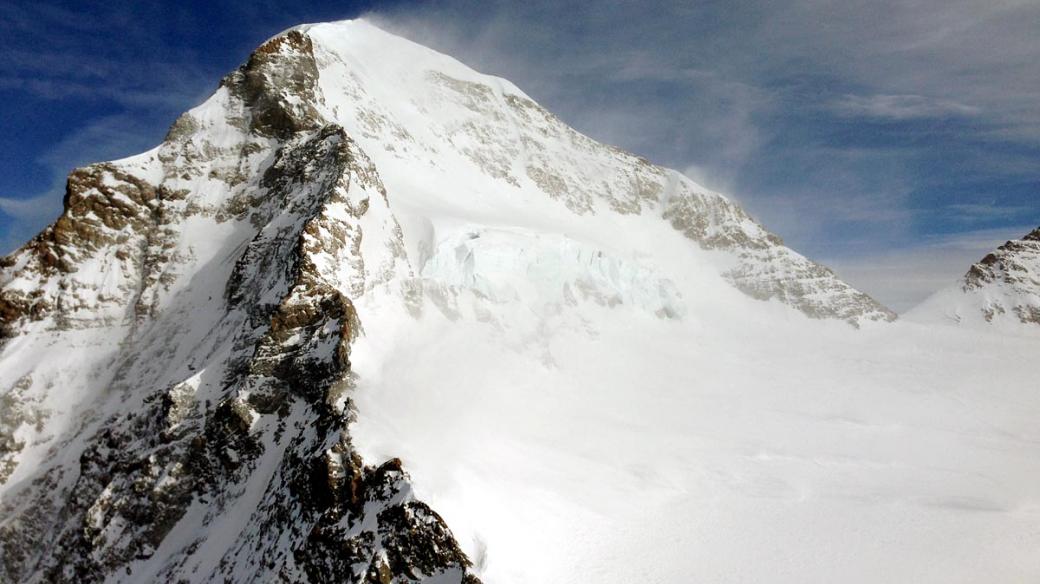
895,141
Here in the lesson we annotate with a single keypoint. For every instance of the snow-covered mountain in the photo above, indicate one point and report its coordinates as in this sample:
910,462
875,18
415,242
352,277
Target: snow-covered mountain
360,257
1002,289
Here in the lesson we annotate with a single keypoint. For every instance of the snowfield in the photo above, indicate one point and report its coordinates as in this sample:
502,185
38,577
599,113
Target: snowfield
580,443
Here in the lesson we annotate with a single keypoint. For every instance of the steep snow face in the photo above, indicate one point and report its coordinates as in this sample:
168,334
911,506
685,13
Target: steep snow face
455,145
1002,289
359,251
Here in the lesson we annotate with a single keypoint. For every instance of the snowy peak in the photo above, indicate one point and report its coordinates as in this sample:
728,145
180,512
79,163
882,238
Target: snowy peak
1007,281
202,298
207,298
441,135
1001,289
446,136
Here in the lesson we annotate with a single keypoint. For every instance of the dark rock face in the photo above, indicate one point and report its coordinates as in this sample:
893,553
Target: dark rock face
248,429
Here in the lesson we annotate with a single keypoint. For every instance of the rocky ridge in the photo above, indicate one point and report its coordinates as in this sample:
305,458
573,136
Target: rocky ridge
248,430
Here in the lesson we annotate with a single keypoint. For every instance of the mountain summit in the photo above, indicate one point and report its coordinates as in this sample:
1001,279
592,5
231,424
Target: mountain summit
435,133
360,252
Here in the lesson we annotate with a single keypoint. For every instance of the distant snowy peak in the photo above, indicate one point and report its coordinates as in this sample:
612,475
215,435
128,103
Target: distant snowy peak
1003,288
1007,281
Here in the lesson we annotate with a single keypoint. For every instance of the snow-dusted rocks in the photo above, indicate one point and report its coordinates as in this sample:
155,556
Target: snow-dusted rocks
176,375
764,267
1010,278
1003,288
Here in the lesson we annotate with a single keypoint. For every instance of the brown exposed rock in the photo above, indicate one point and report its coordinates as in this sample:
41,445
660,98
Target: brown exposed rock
279,85
108,213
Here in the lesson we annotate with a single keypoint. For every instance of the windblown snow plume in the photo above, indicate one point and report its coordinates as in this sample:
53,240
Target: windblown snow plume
367,315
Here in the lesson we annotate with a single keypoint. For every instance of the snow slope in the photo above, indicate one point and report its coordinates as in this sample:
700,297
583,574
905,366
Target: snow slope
458,147
360,257
614,446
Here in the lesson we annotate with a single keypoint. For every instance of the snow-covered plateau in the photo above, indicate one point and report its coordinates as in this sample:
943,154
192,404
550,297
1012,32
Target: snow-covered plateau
367,315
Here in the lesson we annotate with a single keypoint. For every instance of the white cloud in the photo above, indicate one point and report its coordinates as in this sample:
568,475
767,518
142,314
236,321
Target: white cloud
20,219
983,211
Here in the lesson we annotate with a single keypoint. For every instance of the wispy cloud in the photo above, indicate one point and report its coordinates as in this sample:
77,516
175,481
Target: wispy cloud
106,138
37,209
20,219
981,212
900,107
168,97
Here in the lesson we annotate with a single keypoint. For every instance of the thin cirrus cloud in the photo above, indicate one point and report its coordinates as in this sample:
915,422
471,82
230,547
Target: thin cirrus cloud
978,212
42,207
900,107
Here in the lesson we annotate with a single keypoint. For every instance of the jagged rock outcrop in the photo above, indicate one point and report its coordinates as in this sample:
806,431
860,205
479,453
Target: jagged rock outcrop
176,383
106,209
278,85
